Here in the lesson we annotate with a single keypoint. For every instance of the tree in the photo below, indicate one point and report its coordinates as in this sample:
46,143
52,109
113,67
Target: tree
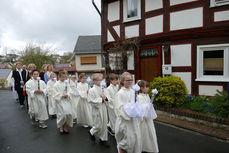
38,54
67,57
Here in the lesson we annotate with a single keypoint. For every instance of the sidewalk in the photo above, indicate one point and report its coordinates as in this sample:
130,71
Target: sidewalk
196,127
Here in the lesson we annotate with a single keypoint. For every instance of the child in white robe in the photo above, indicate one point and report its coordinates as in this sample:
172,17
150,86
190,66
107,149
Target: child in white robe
111,94
84,116
97,99
75,97
63,97
148,133
37,91
51,93
127,129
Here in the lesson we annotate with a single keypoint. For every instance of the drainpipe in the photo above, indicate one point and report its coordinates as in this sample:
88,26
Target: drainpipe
100,14
93,2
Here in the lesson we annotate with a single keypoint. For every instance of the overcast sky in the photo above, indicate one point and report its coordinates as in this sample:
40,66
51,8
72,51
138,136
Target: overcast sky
55,22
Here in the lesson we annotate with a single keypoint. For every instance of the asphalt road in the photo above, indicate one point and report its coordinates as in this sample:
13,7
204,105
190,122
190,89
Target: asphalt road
17,135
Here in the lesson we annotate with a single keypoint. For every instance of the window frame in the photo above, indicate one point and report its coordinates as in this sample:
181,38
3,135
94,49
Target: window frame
214,4
200,65
125,12
83,58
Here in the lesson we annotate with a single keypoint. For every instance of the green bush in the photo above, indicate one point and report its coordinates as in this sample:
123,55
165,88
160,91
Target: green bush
220,104
217,106
171,91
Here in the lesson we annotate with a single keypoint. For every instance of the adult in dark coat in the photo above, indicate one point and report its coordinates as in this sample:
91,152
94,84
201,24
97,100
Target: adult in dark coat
20,79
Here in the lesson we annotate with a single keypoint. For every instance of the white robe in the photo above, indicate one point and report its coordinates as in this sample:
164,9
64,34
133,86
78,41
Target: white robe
111,94
51,100
75,98
99,113
30,104
63,105
37,105
84,115
127,129
148,133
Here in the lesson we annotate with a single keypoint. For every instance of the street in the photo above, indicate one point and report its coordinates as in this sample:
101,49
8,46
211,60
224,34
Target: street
17,135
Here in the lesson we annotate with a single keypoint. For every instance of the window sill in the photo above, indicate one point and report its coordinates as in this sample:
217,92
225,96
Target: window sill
208,79
131,19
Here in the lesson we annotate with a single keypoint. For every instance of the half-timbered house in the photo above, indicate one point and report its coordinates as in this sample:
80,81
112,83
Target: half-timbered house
185,38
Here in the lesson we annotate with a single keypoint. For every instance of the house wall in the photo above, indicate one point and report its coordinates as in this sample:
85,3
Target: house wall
89,67
182,25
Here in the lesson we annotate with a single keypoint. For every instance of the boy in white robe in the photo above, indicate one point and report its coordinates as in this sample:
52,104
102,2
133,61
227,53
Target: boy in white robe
97,100
75,97
111,94
148,133
127,129
63,97
37,91
51,93
84,116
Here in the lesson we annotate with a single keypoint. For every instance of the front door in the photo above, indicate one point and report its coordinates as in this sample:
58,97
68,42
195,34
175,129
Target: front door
149,63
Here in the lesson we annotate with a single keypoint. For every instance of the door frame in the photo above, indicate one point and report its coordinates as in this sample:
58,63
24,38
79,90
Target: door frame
159,59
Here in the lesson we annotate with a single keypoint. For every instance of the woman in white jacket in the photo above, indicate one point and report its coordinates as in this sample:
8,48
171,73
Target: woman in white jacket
127,130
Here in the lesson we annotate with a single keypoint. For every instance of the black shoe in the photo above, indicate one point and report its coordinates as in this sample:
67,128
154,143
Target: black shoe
91,136
104,143
61,132
66,132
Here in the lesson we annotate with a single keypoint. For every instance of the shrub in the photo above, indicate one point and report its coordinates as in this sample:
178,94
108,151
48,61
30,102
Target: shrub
3,82
171,91
220,104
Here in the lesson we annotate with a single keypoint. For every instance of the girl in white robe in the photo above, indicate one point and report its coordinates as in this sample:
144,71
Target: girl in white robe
63,98
51,93
37,91
148,133
111,94
99,111
84,116
75,97
127,129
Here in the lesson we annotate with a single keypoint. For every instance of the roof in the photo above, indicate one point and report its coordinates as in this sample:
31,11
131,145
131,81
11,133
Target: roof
88,44
4,73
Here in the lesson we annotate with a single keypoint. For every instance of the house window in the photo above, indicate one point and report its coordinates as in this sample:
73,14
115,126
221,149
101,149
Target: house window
88,60
115,61
151,52
215,3
212,63
130,60
131,10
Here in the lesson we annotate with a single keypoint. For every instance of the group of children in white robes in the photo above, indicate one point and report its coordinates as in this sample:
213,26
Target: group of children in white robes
95,107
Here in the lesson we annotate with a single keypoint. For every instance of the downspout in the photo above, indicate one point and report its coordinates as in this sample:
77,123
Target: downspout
93,2
100,14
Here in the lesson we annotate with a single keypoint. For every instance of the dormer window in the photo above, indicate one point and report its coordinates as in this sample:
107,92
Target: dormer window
215,3
131,10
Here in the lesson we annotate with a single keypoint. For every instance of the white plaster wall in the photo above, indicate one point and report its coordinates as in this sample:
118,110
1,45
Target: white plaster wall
110,38
191,18
175,2
187,78
132,31
181,55
114,11
154,25
89,67
117,29
151,5
221,16
209,90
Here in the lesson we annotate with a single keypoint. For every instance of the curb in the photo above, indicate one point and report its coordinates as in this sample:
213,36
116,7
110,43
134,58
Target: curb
193,130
